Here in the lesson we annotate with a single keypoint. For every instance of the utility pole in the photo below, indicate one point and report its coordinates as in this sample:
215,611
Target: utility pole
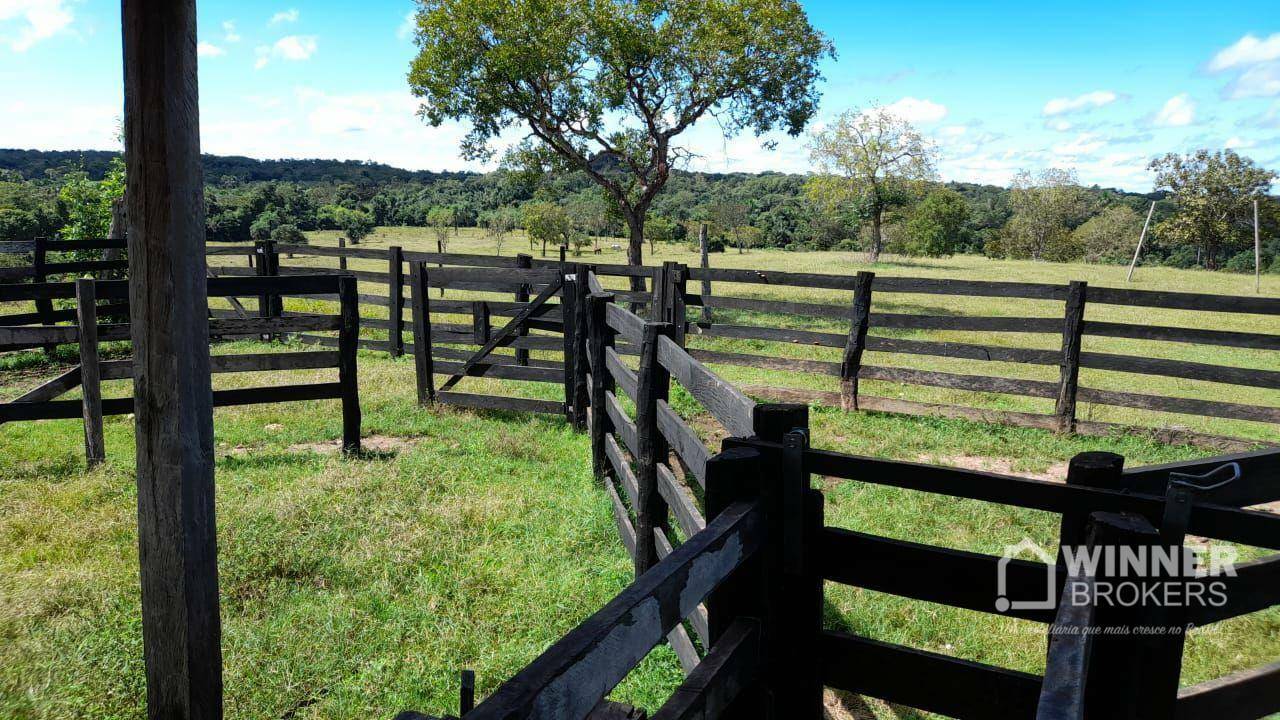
1143,236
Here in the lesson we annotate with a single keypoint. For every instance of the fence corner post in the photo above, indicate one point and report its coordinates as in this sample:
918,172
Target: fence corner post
90,372
1072,332
601,337
581,391
348,341
395,301
423,366
797,623
706,274
568,301
524,261
1094,469
856,343
653,384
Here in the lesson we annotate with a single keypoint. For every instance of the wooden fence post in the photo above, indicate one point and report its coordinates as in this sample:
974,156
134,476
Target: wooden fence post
267,266
395,301
856,343
581,392
1136,657
40,275
342,259
674,279
90,374
568,296
523,262
1072,331
480,324
423,365
601,337
348,341
706,275
737,474
1094,469
653,384
172,397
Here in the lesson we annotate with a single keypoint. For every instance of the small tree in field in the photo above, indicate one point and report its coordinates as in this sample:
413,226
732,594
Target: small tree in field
1045,207
872,159
606,88
498,224
442,220
547,222
659,228
937,225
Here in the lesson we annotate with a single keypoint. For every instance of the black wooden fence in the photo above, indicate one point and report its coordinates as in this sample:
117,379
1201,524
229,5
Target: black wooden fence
41,402
748,581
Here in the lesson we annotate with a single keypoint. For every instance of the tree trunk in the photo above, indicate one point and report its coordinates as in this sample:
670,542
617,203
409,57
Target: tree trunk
635,249
544,247
877,239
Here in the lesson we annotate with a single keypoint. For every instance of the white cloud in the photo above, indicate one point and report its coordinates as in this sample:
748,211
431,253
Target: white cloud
208,49
1058,125
915,110
1258,81
1237,143
1087,101
33,21
1083,144
1248,50
229,31
1178,111
408,25
285,16
295,47
953,131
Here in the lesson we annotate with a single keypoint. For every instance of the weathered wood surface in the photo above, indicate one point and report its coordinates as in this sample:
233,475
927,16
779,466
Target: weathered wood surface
1069,366
423,365
624,426
1254,587
1067,666
1181,369
625,323
725,402
696,619
95,450
1196,336
681,501
1250,693
684,441
927,681
395,300
622,375
506,333
622,469
177,533
654,382
1257,483
566,681
730,667
493,402
856,343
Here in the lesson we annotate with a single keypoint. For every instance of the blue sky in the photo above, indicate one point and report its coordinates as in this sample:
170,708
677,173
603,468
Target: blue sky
1100,87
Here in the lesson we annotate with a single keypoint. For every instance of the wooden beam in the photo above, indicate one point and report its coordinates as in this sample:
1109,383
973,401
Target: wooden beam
173,400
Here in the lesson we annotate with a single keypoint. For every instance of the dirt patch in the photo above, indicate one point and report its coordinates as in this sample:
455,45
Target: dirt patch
380,444
1056,472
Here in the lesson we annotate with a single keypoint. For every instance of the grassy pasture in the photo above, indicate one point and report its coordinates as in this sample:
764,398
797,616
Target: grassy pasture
355,588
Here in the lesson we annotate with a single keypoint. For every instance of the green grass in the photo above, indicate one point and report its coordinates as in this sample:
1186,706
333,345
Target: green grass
360,587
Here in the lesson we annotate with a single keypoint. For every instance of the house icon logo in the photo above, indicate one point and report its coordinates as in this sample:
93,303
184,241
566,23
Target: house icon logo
1010,556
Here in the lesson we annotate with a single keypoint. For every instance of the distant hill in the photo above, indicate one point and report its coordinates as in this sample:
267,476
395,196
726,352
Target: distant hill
33,164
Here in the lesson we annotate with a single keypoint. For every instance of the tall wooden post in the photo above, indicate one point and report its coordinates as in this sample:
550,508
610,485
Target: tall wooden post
348,342
395,301
1069,379
342,259
173,399
1257,251
653,384
674,276
90,373
524,262
581,392
424,367
601,338
856,343
706,275
39,275
1088,469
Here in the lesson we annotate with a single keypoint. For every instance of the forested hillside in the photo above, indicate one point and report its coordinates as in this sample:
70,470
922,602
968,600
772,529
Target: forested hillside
1043,217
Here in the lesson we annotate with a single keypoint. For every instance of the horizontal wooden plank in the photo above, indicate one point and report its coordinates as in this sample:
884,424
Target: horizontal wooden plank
698,618
577,671
79,266
975,383
11,335
935,574
731,666
462,259
55,245
219,249
1184,301
1257,483
626,531
276,285
1252,693
497,402
274,325
323,251
1196,336
1181,369
681,501
625,323
623,425
1254,587
446,277
17,246
787,335
277,393
684,441
932,286
971,323
967,351
1186,406
501,371
625,377
765,362
926,681
725,402
259,362
622,468
16,274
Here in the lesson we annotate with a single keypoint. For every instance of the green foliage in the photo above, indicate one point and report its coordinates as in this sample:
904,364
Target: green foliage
1109,236
17,225
1046,206
660,228
871,160
605,88
547,223
1214,194
288,235
265,224
86,204
938,224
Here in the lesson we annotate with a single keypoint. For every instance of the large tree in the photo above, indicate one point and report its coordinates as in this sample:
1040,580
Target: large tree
607,86
1214,194
1046,206
872,159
